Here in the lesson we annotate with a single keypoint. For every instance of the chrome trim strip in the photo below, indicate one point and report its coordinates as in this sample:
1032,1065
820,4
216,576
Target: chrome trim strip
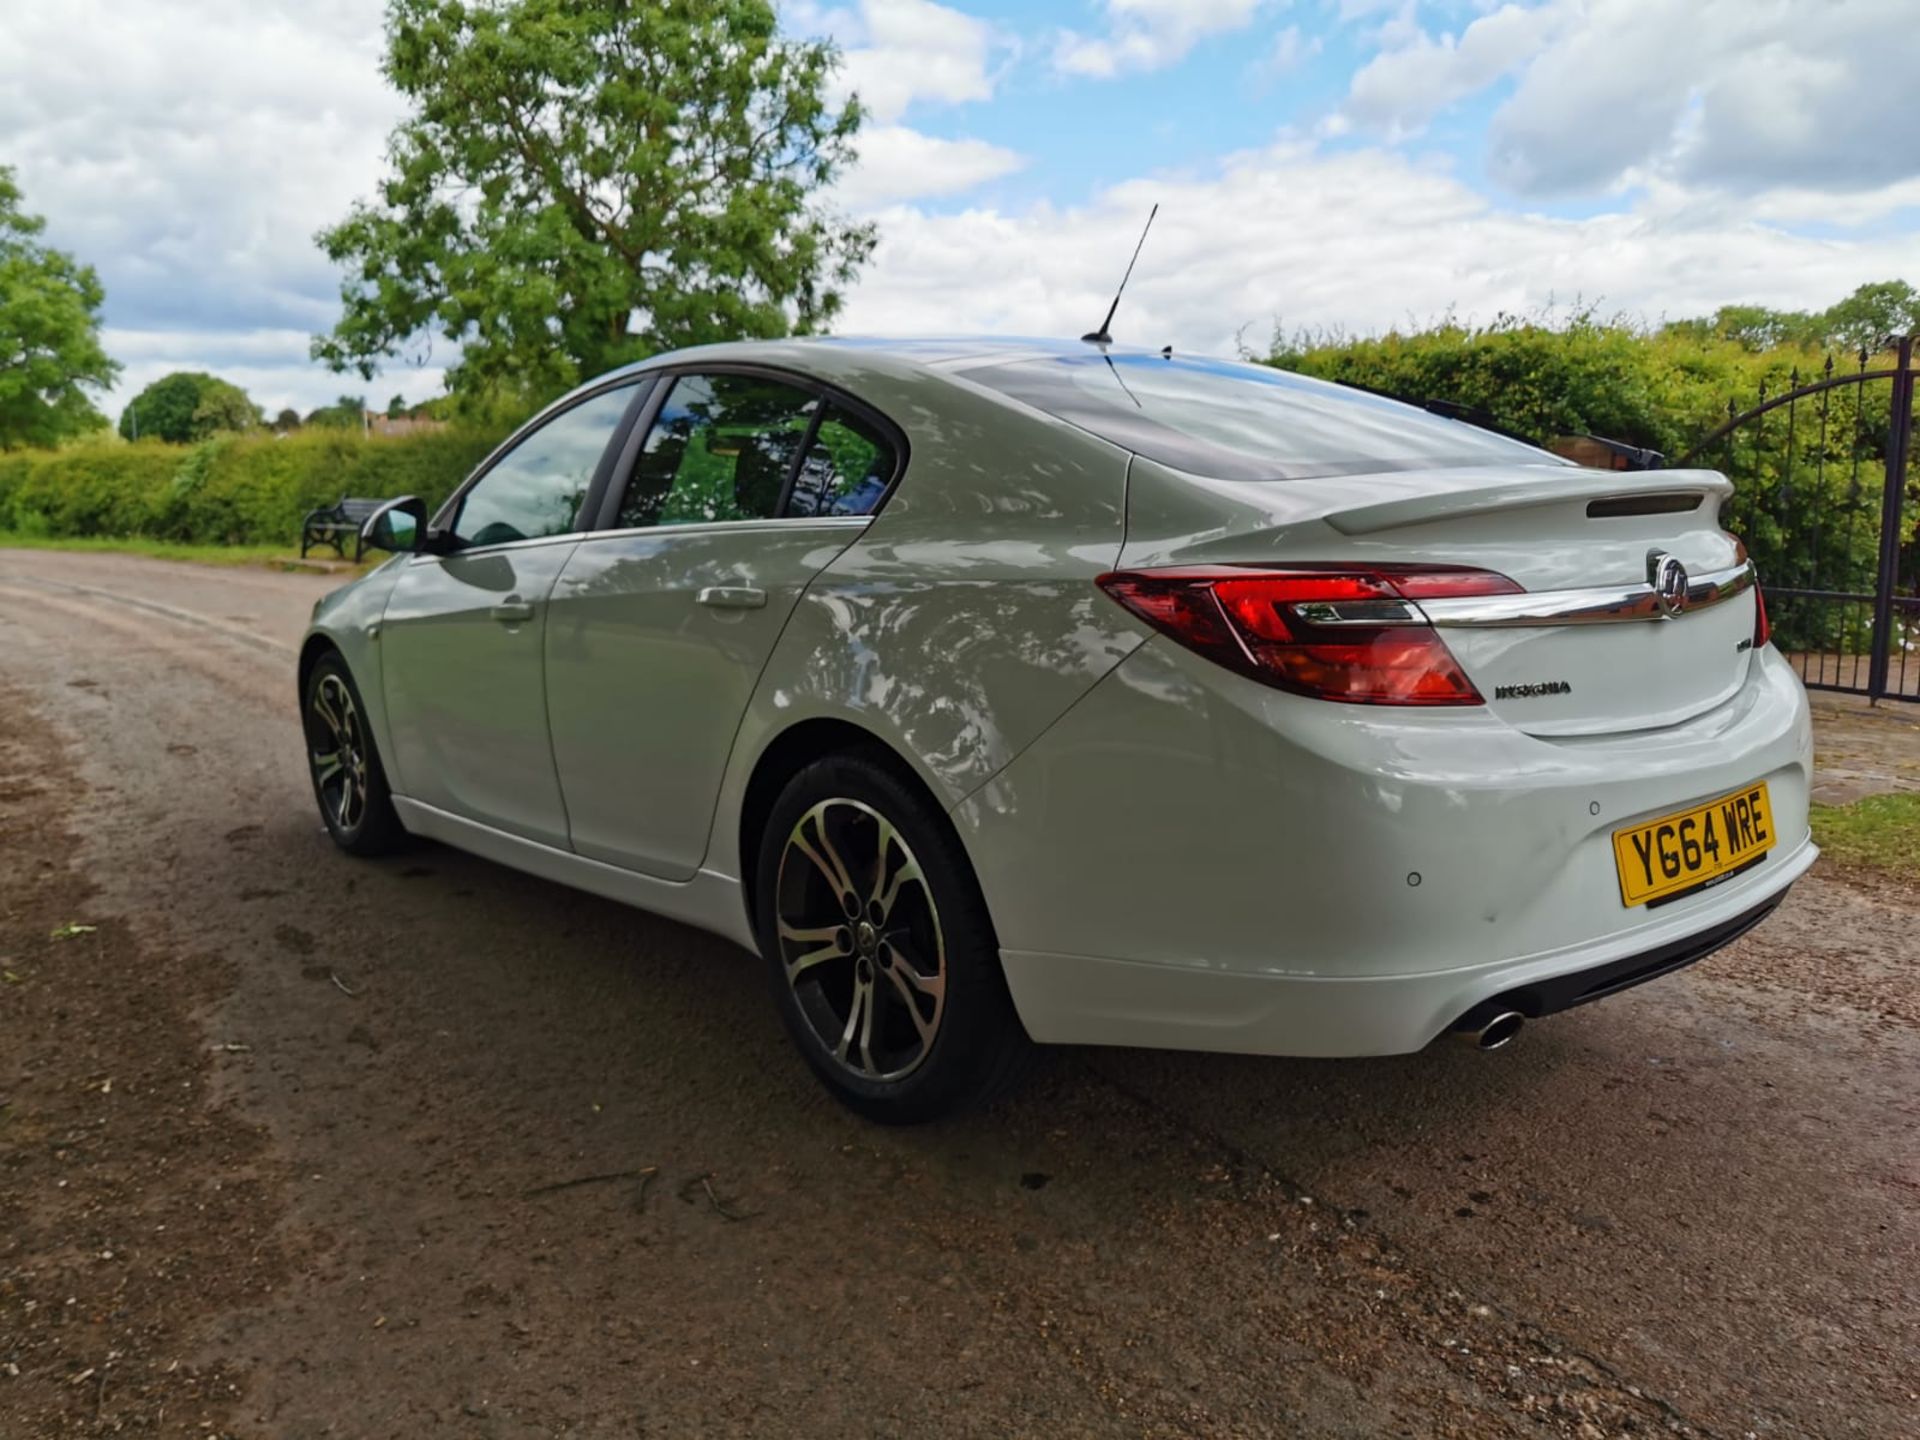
1601,605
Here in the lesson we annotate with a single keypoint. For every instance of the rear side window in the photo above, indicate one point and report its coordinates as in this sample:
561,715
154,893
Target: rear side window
847,468
1246,422
721,449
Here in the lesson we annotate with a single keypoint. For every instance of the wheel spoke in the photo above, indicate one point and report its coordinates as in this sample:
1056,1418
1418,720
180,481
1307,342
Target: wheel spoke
934,987
323,707
907,874
899,974
326,766
826,859
798,965
818,935
879,885
860,1009
866,1028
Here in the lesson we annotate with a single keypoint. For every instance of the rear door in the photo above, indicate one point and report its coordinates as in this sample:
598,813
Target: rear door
742,488
461,637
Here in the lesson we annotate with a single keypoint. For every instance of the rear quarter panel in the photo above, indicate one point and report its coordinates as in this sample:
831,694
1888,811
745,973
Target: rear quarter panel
965,620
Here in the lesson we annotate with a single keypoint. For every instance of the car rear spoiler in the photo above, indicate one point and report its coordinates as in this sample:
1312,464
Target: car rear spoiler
1660,490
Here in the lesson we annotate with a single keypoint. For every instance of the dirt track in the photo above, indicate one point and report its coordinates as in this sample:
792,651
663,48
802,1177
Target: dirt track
286,1143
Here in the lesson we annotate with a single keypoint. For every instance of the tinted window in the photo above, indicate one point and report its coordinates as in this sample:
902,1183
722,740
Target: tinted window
847,469
1247,422
535,489
721,449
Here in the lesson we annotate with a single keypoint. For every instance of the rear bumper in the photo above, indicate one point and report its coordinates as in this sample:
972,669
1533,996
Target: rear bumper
1555,993
1190,860
1081,1000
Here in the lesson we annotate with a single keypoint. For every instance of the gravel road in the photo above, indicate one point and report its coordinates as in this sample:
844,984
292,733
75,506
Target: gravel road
292,1145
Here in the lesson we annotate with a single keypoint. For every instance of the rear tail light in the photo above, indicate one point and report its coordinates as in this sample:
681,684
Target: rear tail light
1334,633
1762,627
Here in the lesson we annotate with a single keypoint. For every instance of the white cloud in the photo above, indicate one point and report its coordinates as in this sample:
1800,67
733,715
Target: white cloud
1149,34
190,152
1736,95
270,365
1361,9
1290,50
898,163
1360,239
1405,86
899,53
1746,96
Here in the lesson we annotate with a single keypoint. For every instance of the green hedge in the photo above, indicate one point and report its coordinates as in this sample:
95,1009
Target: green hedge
232,490
1664,389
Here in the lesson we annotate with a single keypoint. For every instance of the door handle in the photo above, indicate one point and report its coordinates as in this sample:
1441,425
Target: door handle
512,612
733,597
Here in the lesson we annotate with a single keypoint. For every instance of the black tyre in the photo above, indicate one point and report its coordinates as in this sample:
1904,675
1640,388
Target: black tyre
348,781
879,949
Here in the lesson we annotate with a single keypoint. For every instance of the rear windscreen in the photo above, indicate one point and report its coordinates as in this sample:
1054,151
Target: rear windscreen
1246,422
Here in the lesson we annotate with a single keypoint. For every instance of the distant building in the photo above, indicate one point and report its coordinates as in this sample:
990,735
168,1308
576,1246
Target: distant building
378,424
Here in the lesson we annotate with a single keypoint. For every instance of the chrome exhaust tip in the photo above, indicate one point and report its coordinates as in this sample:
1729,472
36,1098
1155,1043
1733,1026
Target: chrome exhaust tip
1496,1032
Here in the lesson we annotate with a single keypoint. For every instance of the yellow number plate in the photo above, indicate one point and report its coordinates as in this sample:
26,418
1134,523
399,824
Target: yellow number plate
1689,848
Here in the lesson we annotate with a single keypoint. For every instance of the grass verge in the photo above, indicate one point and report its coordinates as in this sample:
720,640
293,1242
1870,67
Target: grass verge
270,556
1881,831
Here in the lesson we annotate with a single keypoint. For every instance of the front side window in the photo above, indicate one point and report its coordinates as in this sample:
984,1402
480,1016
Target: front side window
535,489
847,469
721,449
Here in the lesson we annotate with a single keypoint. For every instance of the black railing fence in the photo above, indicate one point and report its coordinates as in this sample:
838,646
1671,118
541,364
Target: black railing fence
1824,500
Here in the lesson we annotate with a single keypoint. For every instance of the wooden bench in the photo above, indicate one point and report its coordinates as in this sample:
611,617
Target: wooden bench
331,526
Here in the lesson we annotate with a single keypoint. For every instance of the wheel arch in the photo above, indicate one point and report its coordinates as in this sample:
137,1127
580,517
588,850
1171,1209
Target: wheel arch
311,649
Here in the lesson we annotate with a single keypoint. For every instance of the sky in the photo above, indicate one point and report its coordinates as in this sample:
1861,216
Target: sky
1344,164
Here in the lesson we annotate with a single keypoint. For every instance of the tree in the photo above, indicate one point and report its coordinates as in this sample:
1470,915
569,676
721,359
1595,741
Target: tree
224,408
187,406
584,182
396,407
50,352
349,412
287,420
1754,327
1872,315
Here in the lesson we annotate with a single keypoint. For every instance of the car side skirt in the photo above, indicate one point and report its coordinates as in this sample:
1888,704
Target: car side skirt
709,901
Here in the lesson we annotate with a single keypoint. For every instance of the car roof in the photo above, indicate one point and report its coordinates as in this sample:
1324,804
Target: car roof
935,352
955,351
1048,376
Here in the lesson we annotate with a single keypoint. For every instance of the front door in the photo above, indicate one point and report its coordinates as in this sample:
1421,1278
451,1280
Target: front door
745,489
462,636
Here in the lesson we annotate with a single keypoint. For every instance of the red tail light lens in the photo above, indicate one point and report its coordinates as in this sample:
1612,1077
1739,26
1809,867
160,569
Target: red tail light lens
1762,627
1336,634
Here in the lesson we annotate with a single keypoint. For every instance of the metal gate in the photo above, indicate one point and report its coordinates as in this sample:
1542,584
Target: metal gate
1823,499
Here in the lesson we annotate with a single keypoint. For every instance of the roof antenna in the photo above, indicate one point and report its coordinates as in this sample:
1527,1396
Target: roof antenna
1104,335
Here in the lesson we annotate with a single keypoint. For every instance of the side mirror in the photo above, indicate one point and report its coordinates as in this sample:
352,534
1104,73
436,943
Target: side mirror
399,526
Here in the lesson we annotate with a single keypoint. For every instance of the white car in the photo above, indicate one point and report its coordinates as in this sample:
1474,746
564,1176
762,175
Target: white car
1009,691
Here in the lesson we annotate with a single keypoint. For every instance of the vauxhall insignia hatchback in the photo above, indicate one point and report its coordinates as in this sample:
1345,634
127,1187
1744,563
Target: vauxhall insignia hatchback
1000,692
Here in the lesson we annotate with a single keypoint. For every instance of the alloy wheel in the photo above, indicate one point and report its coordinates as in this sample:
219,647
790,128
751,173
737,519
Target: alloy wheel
860,940
337,750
